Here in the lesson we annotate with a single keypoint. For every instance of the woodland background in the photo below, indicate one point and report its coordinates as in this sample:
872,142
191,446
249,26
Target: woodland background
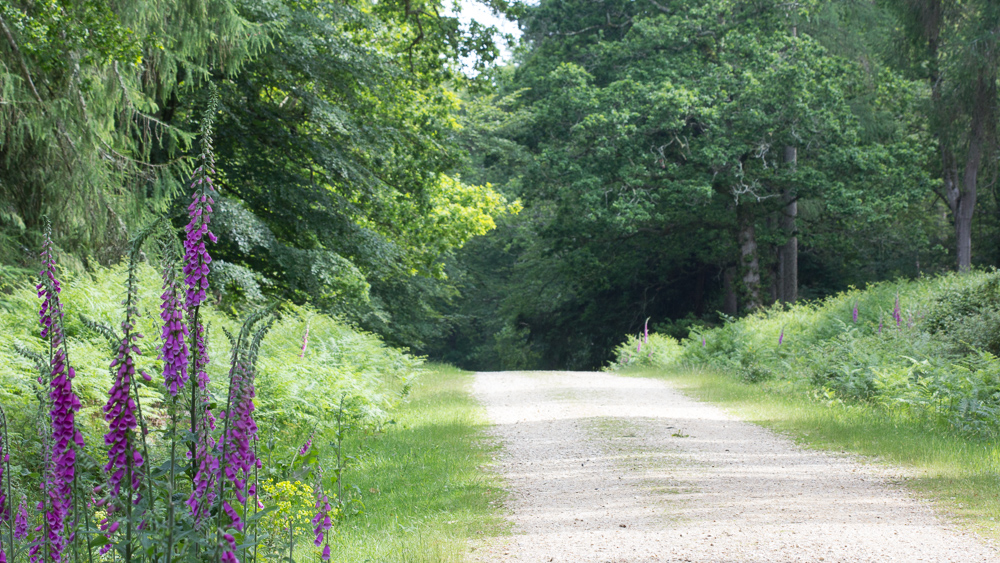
679,161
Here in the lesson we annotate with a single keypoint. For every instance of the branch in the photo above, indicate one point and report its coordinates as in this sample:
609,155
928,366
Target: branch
20,59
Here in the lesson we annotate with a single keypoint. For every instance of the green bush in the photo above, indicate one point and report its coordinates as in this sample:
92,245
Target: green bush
639,351
927,348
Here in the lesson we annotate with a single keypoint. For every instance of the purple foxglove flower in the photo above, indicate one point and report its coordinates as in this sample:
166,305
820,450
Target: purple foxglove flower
638,346
196,270
21,522
65,438
207,474
307,445
896,312
305,341
196,257
241,430
120,413
174,351
321,521
854,313
646,330
326,553
781,337
703,341
4,512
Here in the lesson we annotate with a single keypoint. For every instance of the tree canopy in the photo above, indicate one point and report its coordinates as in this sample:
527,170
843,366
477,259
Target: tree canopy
682,161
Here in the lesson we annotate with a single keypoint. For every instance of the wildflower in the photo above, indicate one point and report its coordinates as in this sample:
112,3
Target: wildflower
119,412
703,341
196,270
646,330
896,312
65,438
321,521
854,313
174,351
228,552
781,337
21,522
240,457
305,447
4,511
305,341
206,476
638,345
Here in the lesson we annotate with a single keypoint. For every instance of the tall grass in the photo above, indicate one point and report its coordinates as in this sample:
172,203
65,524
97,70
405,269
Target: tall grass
422,484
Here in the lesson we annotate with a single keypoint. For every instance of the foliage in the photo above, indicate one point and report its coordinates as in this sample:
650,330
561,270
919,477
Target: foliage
644,138
919,349
296,396
425,494
642,351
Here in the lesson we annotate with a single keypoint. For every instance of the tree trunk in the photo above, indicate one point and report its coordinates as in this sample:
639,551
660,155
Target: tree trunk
788,258
967,204
749,261
730,305
961,192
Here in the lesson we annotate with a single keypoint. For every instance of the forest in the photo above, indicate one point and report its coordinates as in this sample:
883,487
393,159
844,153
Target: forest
326,194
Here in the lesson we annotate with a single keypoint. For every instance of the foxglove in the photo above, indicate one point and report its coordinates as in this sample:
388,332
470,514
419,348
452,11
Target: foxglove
781,337
174,351
196,270
321,522
21,522
124,459
305,341
305,447
65,438
206,475
854,313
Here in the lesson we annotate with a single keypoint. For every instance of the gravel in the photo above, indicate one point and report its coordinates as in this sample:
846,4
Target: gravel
604,468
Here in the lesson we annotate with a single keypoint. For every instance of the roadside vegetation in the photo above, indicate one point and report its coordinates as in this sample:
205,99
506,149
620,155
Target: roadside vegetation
905,372
425,492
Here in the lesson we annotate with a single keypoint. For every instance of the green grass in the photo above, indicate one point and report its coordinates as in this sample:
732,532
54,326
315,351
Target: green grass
959,474
423,484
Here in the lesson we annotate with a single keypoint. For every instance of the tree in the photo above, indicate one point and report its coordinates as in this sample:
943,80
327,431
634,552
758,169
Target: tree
956,50
655,182
87,86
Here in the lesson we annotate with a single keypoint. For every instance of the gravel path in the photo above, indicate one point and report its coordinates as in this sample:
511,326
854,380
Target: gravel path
604,468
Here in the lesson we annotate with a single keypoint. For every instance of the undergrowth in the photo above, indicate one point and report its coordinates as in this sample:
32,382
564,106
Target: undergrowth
424,492
923,350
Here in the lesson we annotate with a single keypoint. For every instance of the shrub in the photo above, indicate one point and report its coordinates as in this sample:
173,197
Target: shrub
927,348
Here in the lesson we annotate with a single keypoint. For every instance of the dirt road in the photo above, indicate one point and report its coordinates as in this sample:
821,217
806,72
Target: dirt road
604,468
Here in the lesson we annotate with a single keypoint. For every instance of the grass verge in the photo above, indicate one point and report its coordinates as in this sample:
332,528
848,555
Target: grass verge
959,474
424,491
